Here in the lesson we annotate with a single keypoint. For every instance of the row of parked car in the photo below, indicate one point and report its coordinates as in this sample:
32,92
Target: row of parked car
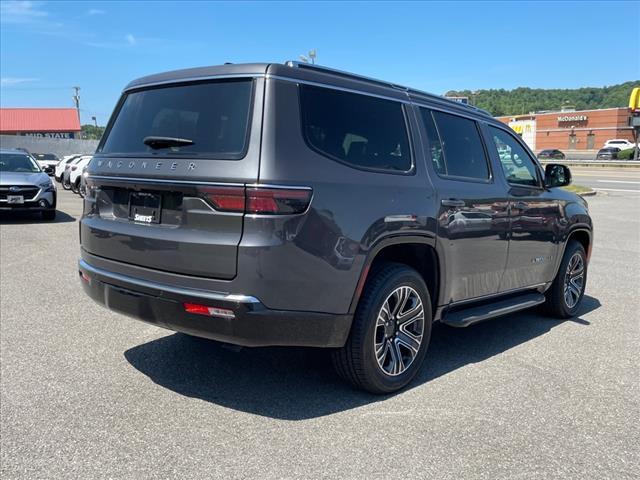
68,172
609,151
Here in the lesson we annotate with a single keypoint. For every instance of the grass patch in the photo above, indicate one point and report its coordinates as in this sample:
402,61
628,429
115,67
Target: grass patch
579,189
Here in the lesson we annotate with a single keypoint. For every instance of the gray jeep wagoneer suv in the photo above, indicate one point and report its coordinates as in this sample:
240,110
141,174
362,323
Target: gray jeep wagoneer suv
291,204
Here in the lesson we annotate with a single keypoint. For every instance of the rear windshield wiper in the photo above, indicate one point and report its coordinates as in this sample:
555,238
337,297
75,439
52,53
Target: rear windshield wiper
165,142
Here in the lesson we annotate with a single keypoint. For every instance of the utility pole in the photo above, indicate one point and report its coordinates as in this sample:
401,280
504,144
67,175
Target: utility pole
76,100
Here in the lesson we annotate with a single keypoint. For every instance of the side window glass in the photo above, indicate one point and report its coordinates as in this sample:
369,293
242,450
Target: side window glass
516,162
464,154
437,157
359,130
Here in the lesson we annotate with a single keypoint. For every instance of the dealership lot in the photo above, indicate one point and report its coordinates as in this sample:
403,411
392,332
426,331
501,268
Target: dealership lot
88,393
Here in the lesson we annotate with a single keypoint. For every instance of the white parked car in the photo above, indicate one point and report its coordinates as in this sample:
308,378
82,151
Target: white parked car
620,143
60,167
76,173
47,161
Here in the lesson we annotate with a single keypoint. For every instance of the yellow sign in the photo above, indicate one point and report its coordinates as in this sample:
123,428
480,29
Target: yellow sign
634,99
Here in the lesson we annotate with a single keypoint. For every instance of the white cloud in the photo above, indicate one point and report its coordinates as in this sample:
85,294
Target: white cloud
21,12
10,81
95,11
128,41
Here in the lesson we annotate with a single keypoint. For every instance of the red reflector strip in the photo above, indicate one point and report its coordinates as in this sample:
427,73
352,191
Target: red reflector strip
198,309
85,278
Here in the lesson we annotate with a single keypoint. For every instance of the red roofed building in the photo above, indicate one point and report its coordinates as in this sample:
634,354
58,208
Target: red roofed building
40,122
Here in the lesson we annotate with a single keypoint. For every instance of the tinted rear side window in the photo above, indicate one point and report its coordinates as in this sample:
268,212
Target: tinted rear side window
463,151
214,116
359,130
435,146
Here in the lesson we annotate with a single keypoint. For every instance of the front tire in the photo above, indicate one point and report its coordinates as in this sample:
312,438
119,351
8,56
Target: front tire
390,332
566,291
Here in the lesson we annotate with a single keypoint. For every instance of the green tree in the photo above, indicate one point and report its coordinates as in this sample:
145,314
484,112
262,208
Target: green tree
91,132
520,100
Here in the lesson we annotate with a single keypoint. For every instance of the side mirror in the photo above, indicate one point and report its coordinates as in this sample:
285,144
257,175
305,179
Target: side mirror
556,175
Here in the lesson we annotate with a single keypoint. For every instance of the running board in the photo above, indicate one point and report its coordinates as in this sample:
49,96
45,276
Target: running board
470,315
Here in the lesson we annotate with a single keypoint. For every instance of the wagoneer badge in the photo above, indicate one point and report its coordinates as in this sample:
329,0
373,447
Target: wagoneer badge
145,164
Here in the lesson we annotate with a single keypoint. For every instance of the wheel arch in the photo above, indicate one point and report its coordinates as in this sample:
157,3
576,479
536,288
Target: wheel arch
415,251
581,234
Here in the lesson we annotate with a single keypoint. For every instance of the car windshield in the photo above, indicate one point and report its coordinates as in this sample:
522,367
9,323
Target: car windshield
17,162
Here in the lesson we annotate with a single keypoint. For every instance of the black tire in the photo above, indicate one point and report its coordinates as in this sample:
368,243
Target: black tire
49,215
66,186
356,362
75,188
557,305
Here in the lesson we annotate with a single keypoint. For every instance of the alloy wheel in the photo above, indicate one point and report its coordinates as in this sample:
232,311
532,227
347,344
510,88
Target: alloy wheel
399,331
574,280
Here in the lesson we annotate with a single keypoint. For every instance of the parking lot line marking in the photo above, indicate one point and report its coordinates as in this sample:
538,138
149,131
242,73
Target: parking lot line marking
618,181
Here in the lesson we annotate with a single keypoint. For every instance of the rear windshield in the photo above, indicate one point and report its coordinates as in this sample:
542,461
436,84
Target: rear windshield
210,120
45,156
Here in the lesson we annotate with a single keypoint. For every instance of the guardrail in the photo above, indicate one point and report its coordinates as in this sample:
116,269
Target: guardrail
596,163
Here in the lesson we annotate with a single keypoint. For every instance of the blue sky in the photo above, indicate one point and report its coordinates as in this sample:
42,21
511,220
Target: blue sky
48,47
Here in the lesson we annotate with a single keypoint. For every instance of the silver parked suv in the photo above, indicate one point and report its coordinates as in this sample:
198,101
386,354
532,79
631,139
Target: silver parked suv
24,187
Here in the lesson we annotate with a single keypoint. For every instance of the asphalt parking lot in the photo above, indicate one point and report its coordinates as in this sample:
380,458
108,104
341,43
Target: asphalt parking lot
86,393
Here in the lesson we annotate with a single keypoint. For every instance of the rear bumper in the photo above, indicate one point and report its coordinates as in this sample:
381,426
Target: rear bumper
254,325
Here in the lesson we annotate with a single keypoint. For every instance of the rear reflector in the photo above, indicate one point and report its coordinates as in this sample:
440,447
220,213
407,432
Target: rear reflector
208,311
258,200
85,278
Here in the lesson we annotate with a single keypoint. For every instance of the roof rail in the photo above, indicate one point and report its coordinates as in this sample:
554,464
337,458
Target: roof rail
342,73
354,76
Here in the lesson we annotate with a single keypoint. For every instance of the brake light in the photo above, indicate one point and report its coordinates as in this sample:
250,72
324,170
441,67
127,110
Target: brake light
225,199
198,309
258,200
74,168
277,201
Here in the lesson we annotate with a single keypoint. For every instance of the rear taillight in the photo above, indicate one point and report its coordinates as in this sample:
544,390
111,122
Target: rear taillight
258,200
225,199
277,201
74,168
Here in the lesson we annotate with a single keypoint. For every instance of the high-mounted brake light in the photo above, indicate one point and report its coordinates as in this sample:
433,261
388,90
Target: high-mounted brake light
258,200
198,309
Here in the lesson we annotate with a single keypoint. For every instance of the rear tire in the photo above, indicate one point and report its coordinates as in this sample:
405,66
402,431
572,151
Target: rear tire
75,187
566,292
49,215
66,186
390,332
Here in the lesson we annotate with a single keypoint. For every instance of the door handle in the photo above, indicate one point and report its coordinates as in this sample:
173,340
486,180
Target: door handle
452,202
